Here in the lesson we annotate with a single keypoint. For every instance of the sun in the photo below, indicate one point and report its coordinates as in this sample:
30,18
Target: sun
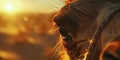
9,7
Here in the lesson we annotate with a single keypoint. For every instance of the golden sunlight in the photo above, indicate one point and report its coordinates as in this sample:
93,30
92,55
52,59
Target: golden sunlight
63,53
8,55
9,7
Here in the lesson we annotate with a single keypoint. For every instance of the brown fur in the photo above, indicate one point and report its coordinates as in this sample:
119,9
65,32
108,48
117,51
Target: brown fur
79,20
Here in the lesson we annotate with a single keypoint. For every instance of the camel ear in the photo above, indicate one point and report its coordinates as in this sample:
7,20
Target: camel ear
111,50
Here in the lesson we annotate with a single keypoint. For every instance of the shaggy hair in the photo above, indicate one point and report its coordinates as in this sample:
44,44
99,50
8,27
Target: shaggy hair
78,19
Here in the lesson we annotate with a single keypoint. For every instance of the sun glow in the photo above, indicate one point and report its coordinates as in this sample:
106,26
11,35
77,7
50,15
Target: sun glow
9,7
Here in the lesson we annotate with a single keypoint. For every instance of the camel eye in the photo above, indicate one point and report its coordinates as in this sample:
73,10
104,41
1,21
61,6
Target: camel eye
63,31
65,34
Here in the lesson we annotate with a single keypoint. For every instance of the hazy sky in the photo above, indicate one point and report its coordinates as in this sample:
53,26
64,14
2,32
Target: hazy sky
32,5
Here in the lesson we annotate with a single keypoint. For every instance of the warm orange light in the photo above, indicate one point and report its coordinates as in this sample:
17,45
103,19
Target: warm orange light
9,55
63,52
12,30
85,55
64,55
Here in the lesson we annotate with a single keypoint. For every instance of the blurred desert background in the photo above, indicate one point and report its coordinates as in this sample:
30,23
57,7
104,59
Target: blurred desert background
26,30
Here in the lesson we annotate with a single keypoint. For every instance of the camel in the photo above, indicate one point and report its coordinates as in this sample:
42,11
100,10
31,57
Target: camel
90,29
